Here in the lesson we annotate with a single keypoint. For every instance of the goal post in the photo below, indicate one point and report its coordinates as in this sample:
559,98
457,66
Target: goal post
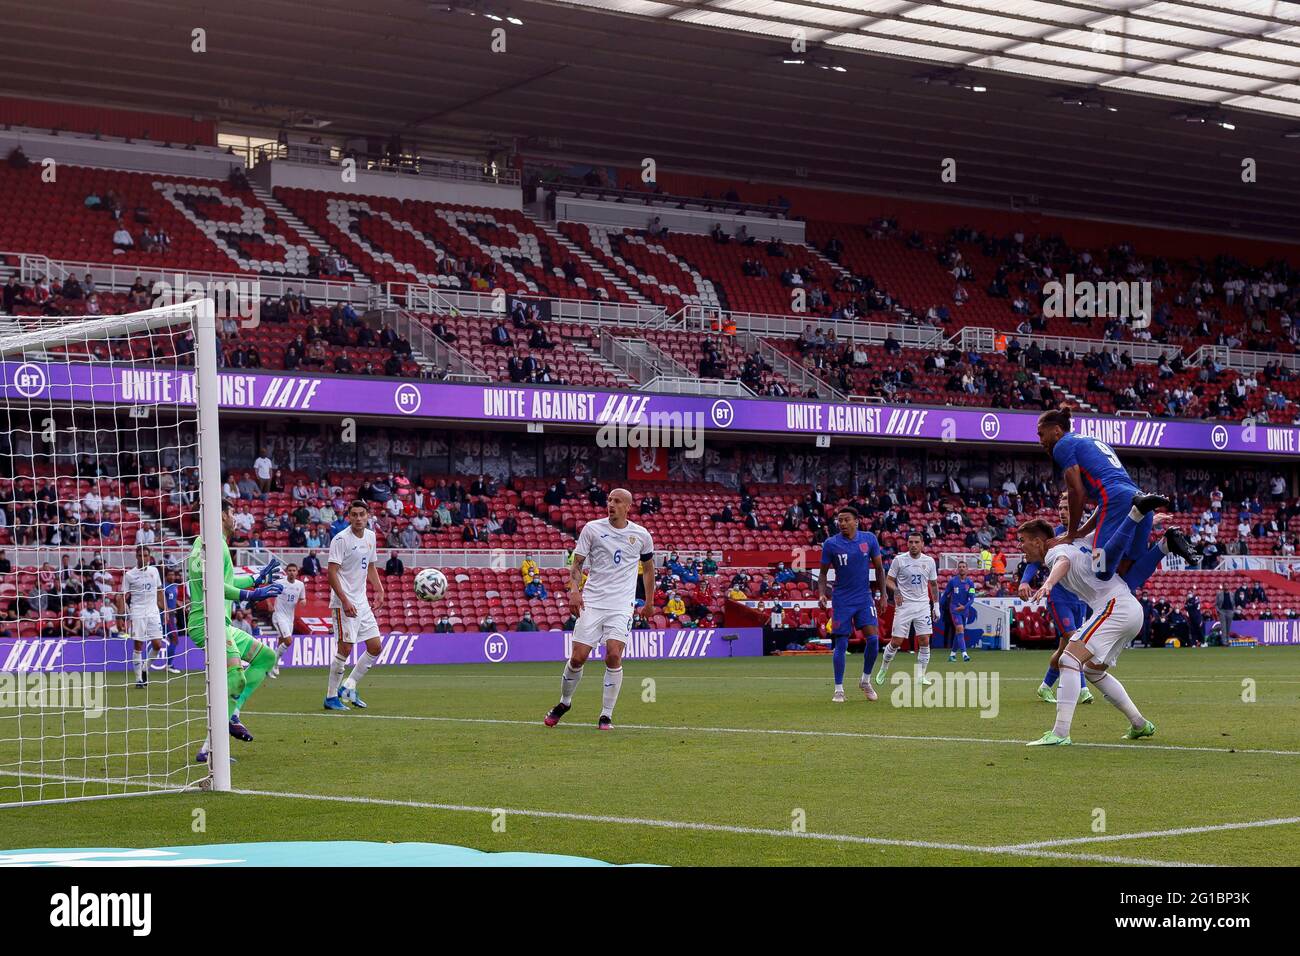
110,441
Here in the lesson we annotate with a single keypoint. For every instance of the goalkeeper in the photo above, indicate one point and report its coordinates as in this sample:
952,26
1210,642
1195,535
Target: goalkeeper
240,646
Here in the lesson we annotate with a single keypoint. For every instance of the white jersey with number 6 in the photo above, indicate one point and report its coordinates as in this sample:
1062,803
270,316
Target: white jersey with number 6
613,563
912,576
354,555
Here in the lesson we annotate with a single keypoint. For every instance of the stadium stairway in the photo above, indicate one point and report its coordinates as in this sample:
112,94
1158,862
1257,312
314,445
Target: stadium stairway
595,265
313,238
595,358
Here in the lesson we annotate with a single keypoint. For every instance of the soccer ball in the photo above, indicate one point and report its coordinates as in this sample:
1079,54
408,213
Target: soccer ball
430,585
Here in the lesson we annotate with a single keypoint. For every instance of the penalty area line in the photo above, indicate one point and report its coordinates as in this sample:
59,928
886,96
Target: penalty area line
863,735
1153,834
717,828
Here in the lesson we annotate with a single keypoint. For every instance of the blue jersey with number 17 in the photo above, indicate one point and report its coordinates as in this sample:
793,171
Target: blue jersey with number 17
851,558
1100,466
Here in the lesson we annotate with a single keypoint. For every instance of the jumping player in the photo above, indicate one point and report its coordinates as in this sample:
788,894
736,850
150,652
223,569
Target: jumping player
1067,613
282,616
353,562
603,604
142,586
914,581
959,599
853,554
1093,472
240,645
1116,620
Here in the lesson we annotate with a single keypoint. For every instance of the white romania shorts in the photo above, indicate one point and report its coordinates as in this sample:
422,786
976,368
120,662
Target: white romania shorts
146,626
596,626
1110,629
909,614
283,624
354,630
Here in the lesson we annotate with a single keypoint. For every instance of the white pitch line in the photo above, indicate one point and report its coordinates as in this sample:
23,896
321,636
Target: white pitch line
1151,834
719,828
783,733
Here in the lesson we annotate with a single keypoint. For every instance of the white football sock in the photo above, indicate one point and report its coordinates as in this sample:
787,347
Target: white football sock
336,675
1067,696
887,658
135,661
279,653
922,661
569,683
613,684
1114,692
359,669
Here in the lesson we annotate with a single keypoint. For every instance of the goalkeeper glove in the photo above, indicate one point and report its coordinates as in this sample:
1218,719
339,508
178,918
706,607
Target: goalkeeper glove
260,593
268,571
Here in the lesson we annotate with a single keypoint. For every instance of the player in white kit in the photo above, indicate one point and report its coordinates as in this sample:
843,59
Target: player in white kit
913,579
353,562
282,617
1116,619
142,587
613,549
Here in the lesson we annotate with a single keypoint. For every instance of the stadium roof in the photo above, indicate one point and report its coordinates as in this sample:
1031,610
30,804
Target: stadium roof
1238,53
682,83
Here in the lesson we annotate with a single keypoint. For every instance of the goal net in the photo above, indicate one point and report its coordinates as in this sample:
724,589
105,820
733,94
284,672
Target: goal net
108,468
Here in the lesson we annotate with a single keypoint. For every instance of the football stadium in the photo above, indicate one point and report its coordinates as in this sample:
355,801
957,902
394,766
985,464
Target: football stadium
891,408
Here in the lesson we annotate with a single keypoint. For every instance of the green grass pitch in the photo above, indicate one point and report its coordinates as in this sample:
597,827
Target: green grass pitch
724,761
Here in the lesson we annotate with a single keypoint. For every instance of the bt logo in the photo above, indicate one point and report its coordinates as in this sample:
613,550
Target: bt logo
990,426
407,399
722,413
495,648
29,380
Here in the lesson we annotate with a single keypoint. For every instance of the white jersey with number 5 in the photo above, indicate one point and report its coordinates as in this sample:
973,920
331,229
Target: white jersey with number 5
354,556
613,563
912,576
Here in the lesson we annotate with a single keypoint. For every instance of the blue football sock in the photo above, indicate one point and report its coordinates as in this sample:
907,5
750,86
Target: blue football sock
1052,675
841,651
1083,681
869,654
961,642
1144,567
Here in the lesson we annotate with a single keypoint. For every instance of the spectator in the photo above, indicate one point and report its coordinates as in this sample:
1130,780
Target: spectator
394,567
263,466
535,590
310,565
488,623
443,626
526,623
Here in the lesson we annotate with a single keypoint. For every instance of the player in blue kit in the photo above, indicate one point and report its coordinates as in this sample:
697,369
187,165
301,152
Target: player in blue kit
958,602
853,554
1066,611
1093,472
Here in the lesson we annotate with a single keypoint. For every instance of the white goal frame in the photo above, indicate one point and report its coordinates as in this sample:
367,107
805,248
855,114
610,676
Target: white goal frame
202,313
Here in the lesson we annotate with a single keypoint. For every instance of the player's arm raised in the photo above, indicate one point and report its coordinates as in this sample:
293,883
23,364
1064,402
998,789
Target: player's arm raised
1059,569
